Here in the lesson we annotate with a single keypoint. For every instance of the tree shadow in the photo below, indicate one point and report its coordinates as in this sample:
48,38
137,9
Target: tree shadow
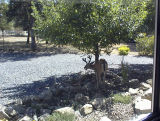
9,56
82,83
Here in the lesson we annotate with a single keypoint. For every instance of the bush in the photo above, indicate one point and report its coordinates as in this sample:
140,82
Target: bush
123,50
56,116
145,44
119,98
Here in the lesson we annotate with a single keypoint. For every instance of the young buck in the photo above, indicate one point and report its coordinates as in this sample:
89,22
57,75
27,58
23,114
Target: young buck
100,67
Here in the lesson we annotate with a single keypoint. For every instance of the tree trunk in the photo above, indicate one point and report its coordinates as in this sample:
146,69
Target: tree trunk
96,52
33,43
46,41
3,38
28,36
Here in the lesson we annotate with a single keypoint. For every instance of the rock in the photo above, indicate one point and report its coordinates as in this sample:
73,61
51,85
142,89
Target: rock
148,94
125,94
77,114
144,86
43,117
140,92
35,118
3,115
142,106
10,111
105,118
65,110
149,81
99,102
26,118
81,98
45,111
86,109
134,83
133,91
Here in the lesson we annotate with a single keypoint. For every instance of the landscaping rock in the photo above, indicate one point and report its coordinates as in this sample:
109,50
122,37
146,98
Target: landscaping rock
43,117
3,115
99,103
35,118
26,118
149,81
10,111
144,86
65,110
133,91
142,106
148,94
105,118
77,114
86,109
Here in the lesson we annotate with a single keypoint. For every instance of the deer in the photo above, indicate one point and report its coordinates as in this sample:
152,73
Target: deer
100,67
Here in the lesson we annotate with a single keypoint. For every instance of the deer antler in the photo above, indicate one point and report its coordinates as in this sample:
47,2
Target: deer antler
90,58
84,59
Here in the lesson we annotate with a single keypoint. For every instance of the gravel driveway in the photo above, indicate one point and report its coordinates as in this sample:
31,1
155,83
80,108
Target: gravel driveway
19,71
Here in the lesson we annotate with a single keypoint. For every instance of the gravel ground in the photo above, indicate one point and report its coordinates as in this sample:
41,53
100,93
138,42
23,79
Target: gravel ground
18,72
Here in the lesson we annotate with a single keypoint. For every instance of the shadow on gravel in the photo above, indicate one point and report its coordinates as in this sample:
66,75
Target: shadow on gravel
4,57
137,71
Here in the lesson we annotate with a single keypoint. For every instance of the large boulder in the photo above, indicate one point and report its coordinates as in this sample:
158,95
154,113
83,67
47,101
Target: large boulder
86,109
65,110
142,106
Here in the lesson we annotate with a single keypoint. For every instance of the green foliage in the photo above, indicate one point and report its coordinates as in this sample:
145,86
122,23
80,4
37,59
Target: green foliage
119,98
89,26
145,44
61,117
4,25
123,50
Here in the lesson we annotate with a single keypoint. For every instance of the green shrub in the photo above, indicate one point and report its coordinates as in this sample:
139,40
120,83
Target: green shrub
145,44
119,98
56,116
123,50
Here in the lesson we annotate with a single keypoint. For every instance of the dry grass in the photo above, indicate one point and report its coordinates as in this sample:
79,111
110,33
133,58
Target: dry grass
18,44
